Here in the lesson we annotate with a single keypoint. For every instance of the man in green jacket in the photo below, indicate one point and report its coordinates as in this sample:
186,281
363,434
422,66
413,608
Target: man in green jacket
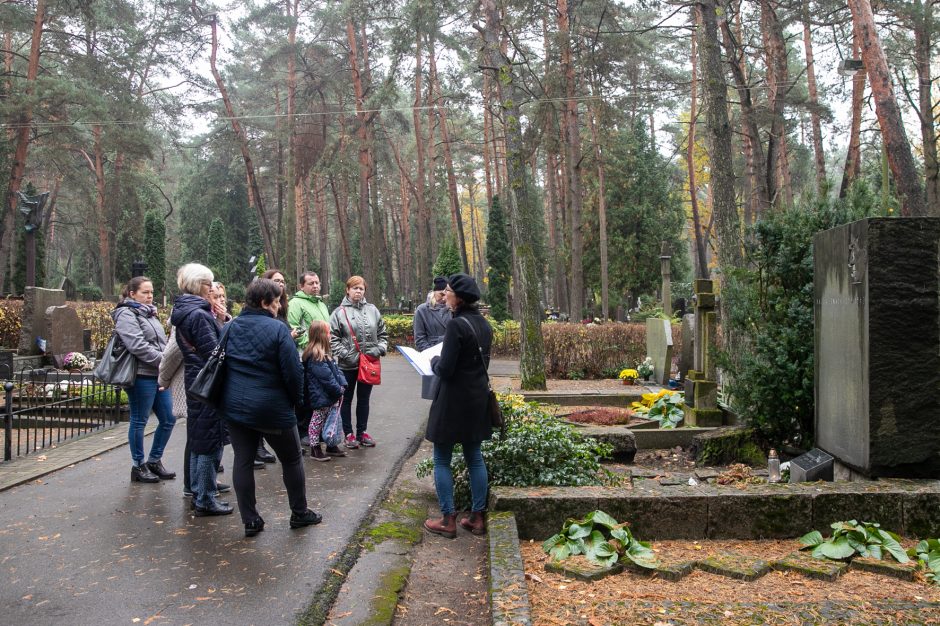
306,306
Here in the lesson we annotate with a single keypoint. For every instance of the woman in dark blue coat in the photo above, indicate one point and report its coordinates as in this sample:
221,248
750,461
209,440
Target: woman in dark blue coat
458,413
263,383
197,335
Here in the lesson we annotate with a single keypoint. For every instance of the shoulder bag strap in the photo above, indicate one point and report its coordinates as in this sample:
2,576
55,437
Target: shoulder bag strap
479,347
351,331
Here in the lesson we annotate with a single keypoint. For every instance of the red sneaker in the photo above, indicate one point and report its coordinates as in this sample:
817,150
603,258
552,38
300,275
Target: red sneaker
366,440
351,442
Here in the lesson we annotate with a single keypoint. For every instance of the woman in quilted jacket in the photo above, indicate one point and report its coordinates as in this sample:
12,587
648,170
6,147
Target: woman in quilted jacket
263,383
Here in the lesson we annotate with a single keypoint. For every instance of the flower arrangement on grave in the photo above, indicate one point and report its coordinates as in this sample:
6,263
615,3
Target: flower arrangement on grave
75,361
628,376
645,369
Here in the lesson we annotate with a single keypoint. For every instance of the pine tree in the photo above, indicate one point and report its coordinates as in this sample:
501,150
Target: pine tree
499,259
217,252
155,250
448,260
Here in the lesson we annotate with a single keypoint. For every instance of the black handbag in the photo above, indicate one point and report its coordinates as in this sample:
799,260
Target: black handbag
117,365
493,409
207,386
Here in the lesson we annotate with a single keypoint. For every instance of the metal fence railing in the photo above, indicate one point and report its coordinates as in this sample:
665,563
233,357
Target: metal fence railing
46,407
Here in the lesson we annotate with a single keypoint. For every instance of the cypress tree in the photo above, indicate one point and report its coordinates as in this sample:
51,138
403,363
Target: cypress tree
499,259
155,250
448,260
217,252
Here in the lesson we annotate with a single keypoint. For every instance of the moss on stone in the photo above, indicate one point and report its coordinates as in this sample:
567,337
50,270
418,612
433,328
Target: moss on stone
385,599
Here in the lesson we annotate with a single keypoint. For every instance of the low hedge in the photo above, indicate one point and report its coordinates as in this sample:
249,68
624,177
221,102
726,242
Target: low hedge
588,351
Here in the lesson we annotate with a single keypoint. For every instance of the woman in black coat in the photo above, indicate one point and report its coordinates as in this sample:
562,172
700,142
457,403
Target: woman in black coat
197,335
458,413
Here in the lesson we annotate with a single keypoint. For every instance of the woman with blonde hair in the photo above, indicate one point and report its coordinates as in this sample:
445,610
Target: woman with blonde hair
197,333
356,327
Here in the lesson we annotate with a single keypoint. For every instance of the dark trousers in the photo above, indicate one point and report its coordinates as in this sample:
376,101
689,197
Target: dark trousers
303,413
362,403
286,446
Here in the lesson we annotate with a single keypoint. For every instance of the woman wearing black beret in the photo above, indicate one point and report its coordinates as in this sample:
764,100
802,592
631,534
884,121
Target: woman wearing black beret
458,412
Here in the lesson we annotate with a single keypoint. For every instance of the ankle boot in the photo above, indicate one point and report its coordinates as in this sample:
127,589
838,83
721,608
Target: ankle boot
445,527
141,474
317,453
475,523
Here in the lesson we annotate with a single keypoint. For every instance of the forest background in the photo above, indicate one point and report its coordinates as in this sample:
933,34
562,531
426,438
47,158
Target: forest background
368,137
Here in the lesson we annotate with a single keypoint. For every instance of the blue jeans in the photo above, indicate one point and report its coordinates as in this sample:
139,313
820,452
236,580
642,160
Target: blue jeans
444,476
202,468
144,397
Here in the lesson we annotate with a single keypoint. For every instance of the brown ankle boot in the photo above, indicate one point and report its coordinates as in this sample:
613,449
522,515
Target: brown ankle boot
445,527
317,453
475,523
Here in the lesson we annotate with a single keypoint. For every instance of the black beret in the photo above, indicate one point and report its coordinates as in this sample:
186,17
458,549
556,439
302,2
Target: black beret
464,287
439,283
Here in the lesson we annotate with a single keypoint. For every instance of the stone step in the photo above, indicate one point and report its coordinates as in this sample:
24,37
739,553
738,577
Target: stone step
708,511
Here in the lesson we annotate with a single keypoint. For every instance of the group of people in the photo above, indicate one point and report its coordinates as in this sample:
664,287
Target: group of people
289,366
279,373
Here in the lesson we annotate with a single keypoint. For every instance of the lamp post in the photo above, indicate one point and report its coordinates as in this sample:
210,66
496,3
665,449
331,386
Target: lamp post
31,208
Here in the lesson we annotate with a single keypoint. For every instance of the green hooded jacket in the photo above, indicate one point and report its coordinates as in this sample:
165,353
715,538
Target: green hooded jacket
303,309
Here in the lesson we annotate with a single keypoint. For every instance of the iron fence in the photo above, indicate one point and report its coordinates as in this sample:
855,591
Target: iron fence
45,407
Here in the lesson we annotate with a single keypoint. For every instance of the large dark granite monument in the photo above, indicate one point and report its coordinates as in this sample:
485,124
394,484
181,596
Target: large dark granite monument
877,314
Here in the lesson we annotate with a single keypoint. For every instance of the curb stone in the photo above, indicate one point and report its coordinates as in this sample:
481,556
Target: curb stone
509,597
321,605
736,566
808,566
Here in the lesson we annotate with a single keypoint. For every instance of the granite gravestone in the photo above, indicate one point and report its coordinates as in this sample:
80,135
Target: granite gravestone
65,332
877,345
659,348
35,302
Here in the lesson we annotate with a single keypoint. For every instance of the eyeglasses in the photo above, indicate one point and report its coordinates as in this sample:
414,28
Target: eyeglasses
448,290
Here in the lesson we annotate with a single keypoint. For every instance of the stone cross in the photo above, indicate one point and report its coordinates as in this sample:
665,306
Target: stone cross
701,385
665,255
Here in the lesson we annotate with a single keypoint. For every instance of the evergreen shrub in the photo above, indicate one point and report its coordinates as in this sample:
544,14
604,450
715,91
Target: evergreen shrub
537,450
769,305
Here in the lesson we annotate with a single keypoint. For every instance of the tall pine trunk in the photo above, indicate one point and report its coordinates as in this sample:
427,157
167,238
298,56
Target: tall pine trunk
524,216
923,30
818,152
448,158
365,237
24,125
853,155
269,250
423,223
699,239
897,147
572,161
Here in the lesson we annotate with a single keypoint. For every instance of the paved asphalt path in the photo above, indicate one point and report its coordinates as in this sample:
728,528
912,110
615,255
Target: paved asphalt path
86,546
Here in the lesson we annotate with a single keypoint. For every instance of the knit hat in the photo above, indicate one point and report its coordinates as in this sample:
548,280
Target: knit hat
439,283
464,287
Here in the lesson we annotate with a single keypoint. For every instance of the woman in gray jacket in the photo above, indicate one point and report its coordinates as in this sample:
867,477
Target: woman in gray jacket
137,324
356,326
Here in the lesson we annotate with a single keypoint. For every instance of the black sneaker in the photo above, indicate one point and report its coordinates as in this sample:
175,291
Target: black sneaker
223,488
307,518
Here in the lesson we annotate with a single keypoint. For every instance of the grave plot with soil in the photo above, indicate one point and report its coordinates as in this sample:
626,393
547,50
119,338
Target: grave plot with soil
704,597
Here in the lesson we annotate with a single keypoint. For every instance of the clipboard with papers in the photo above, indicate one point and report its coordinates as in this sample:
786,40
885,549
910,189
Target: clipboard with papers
421,361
